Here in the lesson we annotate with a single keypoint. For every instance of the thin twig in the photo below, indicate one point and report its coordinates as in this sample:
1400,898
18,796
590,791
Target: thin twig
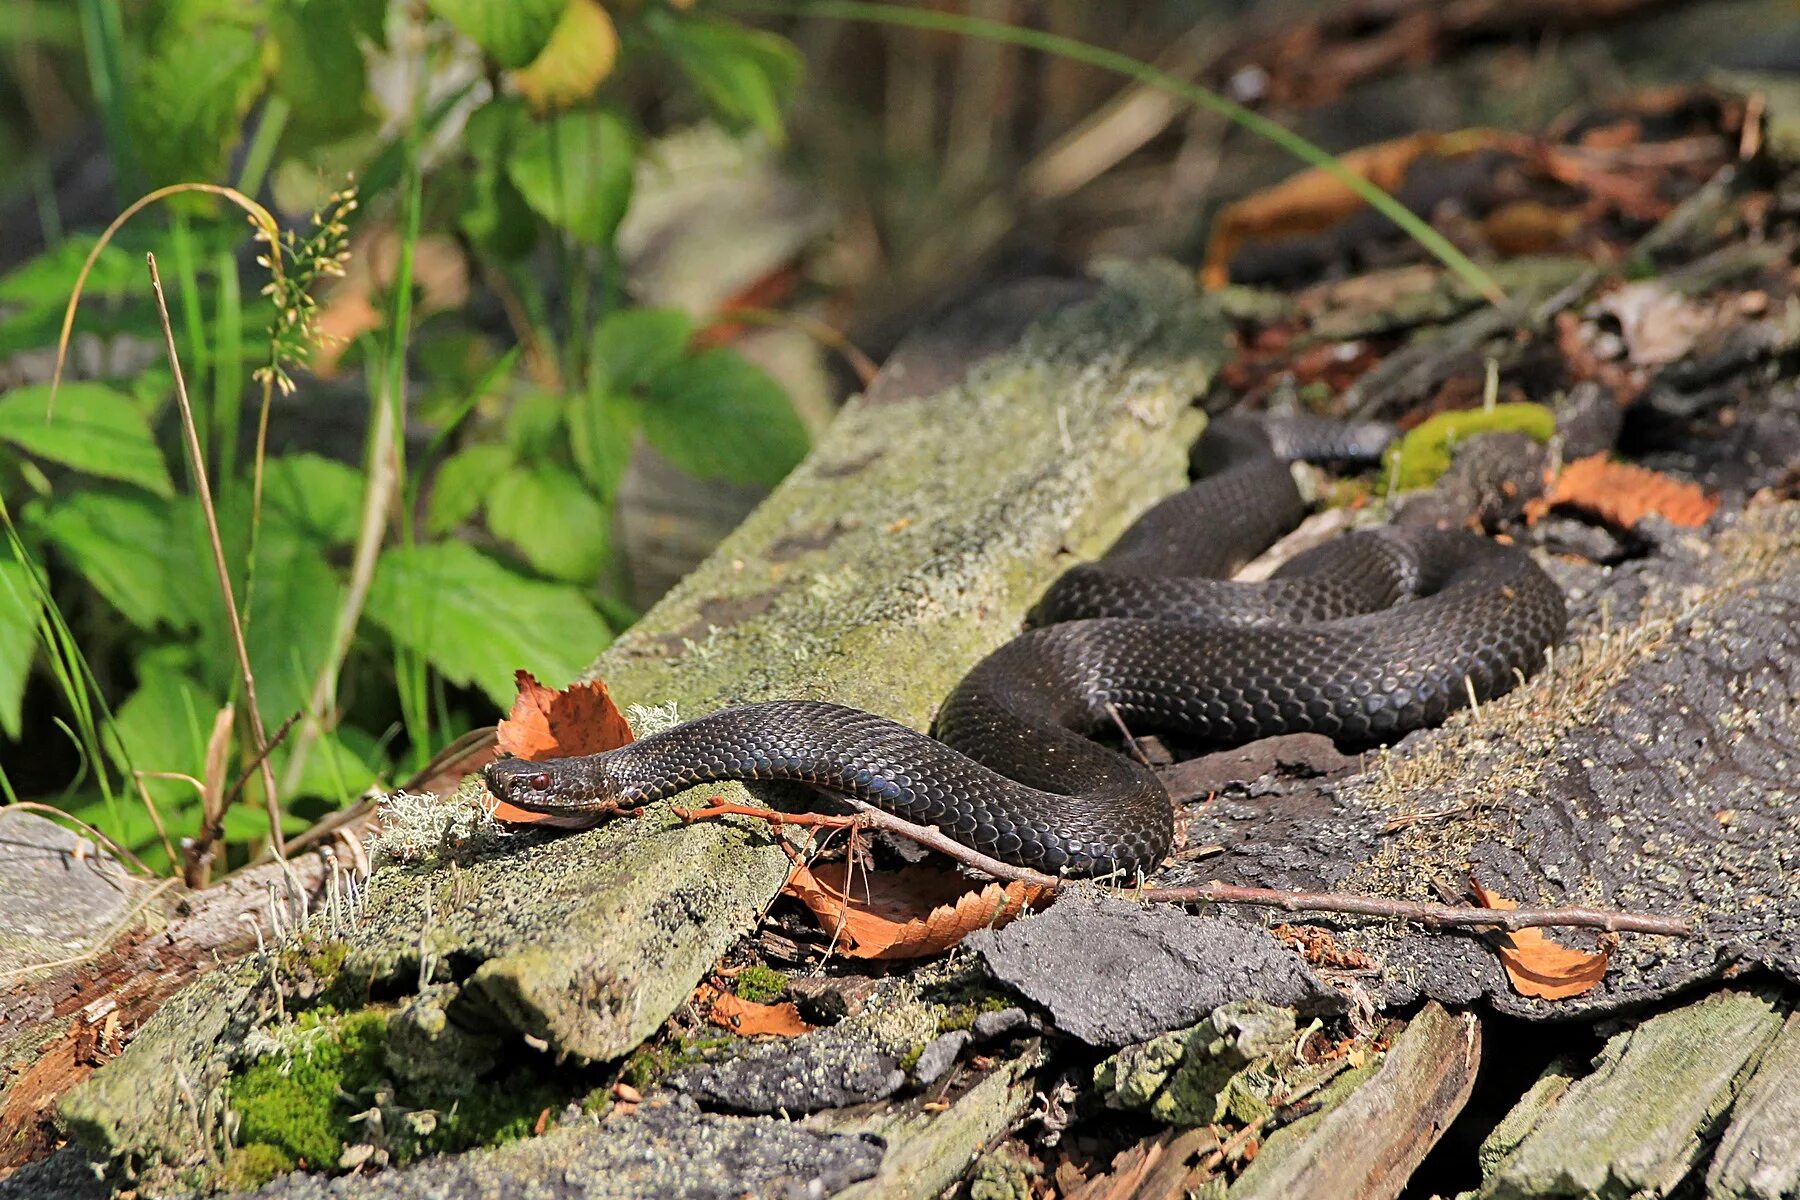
197,460
198,860
1137,751
1430,915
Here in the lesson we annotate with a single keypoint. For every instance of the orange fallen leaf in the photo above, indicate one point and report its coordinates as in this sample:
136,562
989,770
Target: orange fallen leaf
546,723
748,1017
1537,966
1314,201
1623,494
911,913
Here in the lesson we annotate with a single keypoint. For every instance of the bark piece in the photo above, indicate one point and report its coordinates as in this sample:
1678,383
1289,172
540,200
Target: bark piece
1759,1156
1640,1121
1368,1144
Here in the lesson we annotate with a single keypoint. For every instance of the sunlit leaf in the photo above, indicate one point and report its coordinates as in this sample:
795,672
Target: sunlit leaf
19,608
575,172
461,483
556,523
632,346
321,57
746,74
603,429
512,32
292,618
189,97
163,726
716,416
494,214
476,621
96,431
314,497
574,62
119,543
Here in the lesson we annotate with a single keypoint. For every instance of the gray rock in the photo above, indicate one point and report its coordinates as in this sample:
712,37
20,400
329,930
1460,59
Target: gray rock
939,1056
1112,972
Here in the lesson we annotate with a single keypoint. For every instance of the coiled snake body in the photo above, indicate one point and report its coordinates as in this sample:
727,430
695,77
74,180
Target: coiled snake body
1363,639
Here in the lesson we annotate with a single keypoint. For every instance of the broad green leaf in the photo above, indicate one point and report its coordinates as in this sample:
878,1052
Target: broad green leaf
249,822
119,542
46,281
746,75
477,622
292,616
511,32
19,608
126,822
461,483
603,430
38,328
716,416
548,513
317,498
320,58
574,62
534,426
341,766
632,346
164,726
493,214
575,172
96,431
189,98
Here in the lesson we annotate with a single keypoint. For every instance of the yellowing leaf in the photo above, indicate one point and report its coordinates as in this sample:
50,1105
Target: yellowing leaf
574,62
911,913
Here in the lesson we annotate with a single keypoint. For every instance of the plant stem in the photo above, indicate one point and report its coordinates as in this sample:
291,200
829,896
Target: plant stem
1123,64
204,489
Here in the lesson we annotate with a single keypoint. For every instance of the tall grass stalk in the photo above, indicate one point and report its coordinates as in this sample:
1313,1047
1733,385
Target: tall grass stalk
1123,64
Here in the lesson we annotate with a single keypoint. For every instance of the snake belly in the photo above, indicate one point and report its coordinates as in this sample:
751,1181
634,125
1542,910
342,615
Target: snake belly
1362,639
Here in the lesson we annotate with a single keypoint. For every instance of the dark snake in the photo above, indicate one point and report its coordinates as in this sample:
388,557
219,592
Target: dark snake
1363,639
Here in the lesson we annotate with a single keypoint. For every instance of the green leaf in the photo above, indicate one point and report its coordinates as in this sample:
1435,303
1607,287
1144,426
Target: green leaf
96,430
190,96
250,822
317,498
716,416
292,618
494,214
548,513
632,346
19,608
164,726
575,172
461,483
341,766
321,58
45,282
534,426
119,542
511,32
747,75
477,622
603,428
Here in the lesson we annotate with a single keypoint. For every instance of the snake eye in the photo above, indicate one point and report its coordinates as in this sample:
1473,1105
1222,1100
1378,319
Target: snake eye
539,782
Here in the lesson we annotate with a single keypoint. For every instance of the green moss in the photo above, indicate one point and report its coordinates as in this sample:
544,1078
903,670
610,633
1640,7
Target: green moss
653,1060
249,1167
759,984
292,1102
1420,457
296,1107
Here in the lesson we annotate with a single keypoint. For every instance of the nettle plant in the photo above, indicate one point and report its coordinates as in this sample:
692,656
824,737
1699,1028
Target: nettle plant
381,597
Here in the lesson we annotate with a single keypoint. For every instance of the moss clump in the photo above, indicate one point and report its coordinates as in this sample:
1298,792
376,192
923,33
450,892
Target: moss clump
328,1088
759,984
249,1167
653,1060
291,1102
1420,457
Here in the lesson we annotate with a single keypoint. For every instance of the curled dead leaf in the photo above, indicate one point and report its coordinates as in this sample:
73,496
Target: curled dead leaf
1623,494
1537,966
546,723
749,1018
911,913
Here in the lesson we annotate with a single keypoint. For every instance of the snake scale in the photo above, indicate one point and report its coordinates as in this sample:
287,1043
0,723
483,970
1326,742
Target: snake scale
1364,638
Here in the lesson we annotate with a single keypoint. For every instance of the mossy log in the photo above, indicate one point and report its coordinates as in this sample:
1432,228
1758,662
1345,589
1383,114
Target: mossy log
994,447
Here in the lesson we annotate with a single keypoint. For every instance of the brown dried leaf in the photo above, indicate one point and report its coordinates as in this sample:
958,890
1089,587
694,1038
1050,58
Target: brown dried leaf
749,1018
546,723
1314,201
1623,494
1537,966
911,913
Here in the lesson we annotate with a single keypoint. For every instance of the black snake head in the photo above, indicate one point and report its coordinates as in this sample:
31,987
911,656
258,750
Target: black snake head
554,785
